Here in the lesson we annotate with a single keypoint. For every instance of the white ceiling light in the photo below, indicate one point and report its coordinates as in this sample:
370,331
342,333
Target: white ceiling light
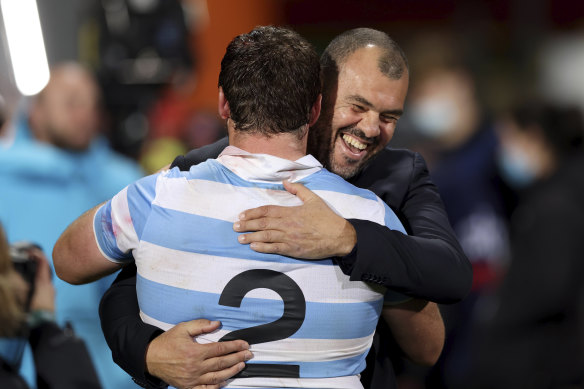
26,45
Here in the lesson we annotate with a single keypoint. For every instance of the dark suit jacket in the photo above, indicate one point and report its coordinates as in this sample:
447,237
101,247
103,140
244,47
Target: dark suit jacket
428,263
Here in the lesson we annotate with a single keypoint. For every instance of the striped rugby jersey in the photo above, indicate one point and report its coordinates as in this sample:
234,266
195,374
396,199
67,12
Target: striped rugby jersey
308,326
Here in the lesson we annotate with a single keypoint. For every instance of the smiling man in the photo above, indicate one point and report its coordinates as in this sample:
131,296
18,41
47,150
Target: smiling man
360,113
365,82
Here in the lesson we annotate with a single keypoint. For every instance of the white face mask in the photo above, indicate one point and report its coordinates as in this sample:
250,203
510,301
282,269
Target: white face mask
516,167
433,116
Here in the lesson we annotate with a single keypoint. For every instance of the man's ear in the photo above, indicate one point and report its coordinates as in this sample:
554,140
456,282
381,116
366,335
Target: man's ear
224,111
315,111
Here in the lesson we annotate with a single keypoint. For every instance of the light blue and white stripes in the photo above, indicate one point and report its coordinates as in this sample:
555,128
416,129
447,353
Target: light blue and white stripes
178,227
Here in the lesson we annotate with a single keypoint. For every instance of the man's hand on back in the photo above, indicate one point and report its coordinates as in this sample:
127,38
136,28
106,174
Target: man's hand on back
309,231
177,359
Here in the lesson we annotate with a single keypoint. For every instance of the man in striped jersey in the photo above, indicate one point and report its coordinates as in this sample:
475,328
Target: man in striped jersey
309,326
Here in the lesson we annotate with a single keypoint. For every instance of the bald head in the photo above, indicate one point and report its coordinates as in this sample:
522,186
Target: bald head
391,61
65,113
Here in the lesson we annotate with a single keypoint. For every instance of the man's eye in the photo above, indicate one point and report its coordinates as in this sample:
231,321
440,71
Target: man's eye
358,108
389,119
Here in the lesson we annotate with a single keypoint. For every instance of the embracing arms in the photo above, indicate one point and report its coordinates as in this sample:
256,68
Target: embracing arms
428,263
314,231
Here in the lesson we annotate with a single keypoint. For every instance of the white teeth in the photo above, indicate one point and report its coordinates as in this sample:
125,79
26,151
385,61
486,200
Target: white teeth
354,142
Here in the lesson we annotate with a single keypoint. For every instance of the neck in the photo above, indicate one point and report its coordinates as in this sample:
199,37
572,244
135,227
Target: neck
285,145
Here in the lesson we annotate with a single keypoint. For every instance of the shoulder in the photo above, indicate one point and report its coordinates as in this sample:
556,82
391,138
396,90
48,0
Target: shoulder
209,170
325,180
353,202
397,160
397,167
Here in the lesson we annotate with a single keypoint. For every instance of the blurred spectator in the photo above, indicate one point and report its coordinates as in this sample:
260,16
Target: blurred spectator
534,338
459,142
27,311
54,166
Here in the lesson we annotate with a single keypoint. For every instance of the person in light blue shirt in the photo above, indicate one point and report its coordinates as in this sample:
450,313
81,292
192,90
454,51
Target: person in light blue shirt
54,165
308,325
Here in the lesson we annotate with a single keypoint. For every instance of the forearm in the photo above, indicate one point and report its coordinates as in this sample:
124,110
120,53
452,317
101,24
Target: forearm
418,329
125,333
429,269
76,256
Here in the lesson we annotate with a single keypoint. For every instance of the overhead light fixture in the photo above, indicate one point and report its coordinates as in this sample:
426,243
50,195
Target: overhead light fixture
26,45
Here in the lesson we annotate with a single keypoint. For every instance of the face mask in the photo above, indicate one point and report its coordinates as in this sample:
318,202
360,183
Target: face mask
433,116
516,168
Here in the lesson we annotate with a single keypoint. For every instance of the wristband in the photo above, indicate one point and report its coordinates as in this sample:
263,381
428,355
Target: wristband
38,317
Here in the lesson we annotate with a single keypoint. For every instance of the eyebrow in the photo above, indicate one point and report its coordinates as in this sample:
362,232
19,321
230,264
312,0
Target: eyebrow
362,100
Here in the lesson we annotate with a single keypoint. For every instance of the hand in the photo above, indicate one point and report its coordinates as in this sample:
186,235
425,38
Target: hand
418,329
181,362
43,297
310,231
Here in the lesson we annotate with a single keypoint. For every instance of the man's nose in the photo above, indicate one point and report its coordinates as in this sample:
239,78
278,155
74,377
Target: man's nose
370,125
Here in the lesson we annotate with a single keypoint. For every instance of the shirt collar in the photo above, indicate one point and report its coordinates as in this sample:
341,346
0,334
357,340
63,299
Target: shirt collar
265,167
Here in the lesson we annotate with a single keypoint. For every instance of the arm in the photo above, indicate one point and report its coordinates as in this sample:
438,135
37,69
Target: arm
121,325
418,329
154,356
429,264
76,256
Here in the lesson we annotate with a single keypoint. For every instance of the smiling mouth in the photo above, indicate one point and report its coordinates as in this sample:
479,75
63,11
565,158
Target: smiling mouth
353,144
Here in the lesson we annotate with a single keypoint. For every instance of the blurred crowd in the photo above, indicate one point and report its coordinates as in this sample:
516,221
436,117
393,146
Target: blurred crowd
512,183
510,170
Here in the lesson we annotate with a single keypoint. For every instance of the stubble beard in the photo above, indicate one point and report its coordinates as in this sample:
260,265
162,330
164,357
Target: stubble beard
343,165
321,144
349,169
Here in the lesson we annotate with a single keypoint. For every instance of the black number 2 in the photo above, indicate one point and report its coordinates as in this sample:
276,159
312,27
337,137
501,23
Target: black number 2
291,320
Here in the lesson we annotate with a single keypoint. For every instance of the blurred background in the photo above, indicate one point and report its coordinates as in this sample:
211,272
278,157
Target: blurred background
157,60
495,104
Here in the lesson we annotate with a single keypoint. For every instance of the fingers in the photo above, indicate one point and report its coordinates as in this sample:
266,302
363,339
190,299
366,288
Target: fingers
223,348
300,190
267,224
269,236
43,269
261,224
226,362
197,327
218,377
272,211
273,248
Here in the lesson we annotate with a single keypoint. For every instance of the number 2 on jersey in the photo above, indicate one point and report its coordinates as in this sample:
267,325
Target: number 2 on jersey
290,321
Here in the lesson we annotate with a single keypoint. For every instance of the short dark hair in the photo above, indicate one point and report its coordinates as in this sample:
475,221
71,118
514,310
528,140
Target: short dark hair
271,79
392,62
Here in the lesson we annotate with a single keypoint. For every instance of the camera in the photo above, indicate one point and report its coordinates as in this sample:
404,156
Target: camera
25,265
